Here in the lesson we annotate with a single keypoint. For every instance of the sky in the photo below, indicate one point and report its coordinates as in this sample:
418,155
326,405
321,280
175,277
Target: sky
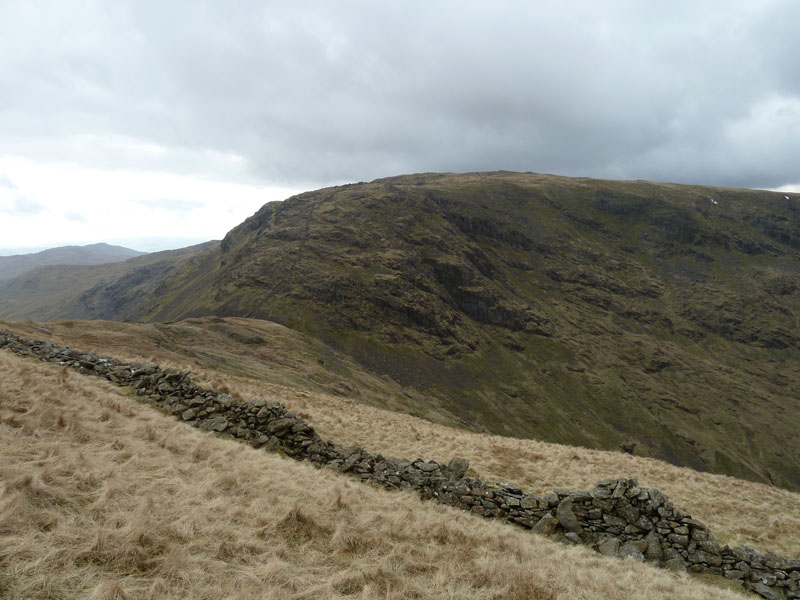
159,124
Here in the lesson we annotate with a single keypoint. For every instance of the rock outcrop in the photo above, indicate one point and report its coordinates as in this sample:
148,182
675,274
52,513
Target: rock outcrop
616,518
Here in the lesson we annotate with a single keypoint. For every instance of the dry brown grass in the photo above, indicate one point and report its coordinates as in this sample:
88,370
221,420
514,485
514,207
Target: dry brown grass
104,498
738,512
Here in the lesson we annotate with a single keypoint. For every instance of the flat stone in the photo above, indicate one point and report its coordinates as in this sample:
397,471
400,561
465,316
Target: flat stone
766,591
630,513
676,565
510,489
551,499
682,540
613,521
218,424
609,547
682,530
768,579
573,538
742,553
694,523
546,526
713,560
189,414
278,426
427,467
734,574
631,552
580,496
710,545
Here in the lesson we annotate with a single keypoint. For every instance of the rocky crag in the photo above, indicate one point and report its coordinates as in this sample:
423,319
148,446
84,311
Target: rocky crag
582,312
616,518
585,312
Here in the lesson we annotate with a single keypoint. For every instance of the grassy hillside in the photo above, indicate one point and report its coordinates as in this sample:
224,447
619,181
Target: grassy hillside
105,498
738,512
263,351
93,254
54,291
659,317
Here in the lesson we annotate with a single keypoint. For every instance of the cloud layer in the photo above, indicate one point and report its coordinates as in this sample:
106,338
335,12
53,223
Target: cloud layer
313,93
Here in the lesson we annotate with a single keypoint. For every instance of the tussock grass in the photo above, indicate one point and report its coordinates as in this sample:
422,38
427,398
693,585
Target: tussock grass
104,498
738,512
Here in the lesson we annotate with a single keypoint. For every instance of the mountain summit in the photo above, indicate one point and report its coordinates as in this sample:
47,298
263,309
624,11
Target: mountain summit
93,254
658,318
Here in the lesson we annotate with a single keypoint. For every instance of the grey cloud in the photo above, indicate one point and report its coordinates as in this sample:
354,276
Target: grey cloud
5,182
323,92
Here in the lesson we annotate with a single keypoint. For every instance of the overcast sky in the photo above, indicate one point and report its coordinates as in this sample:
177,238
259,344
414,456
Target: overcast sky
157,124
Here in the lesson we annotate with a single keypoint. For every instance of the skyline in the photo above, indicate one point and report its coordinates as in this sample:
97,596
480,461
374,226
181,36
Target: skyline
159,126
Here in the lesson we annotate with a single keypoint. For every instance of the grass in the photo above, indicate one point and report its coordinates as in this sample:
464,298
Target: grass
104,498
738,512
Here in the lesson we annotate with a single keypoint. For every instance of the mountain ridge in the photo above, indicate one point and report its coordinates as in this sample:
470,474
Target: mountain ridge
658,317
91,254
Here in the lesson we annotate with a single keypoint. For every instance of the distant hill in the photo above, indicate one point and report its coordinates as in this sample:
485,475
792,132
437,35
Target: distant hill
53,291
93,254
657,317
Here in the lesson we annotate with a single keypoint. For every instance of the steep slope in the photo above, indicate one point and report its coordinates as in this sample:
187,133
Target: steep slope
252,349
220,357
93,254
105,498
655,316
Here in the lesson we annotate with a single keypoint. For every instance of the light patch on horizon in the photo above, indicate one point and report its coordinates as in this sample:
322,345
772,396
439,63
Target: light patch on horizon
113,205
5,182
20,205
170,204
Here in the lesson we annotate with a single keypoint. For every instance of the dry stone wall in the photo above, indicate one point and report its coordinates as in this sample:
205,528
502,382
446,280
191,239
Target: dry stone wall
616,518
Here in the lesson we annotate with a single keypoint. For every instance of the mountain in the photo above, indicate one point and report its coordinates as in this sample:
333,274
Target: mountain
55,291
93,254
654,317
